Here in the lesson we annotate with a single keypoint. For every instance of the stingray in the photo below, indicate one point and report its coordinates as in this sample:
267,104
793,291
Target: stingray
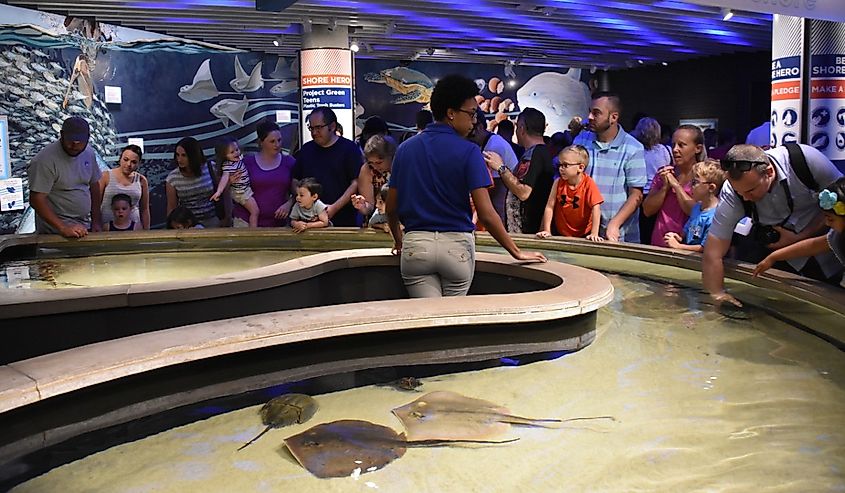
285,410
285,88
244,82
230,110
284,71
203,87
351,447
445,415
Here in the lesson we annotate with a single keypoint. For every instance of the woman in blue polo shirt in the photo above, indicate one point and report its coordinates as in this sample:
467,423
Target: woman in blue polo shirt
433,176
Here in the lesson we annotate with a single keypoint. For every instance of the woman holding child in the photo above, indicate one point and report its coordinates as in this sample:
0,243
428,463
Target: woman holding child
270,179
125,179
433,176
670,196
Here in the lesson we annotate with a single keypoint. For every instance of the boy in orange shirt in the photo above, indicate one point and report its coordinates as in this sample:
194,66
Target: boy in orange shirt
574,201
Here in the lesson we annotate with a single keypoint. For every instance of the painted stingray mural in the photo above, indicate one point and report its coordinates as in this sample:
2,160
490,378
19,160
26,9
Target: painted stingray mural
52,67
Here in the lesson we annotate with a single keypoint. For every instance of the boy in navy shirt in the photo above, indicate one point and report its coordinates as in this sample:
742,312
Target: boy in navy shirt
707,181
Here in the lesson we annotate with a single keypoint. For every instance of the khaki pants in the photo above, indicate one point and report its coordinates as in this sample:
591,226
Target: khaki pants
437,264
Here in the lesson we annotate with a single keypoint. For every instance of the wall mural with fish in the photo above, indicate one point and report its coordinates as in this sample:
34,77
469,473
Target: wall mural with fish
397,92
52,67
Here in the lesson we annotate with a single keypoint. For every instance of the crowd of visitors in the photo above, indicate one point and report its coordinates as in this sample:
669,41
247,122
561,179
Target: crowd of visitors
783,207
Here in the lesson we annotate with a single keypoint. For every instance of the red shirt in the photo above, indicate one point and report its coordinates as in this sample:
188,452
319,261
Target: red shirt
573,211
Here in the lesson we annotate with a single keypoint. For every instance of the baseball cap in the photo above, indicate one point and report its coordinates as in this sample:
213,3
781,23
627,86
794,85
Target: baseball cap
75,129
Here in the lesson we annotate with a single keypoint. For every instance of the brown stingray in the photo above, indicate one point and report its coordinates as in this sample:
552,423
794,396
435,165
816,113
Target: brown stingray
445,415
350,447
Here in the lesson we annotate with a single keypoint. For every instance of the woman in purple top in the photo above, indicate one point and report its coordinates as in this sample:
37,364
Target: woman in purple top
670,197
270,177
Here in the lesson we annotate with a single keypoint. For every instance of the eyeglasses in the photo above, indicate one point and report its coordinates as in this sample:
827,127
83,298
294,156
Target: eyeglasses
564,164
317,128
472,114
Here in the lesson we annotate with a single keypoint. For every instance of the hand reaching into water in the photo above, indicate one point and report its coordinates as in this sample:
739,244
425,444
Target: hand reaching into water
530,257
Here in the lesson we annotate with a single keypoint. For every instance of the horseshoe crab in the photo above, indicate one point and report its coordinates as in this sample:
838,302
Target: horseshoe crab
285,410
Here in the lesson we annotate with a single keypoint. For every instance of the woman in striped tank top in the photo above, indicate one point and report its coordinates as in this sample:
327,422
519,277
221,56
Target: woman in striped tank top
190,184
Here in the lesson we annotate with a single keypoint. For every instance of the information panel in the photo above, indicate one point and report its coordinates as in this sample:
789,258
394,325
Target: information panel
827,90
326,80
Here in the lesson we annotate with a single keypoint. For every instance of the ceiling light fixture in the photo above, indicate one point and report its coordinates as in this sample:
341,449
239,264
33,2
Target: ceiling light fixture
390,29
429,51
277,42
354,47
665,64
307,24
727,13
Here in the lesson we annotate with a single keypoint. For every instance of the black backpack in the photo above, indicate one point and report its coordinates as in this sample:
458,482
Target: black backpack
798,163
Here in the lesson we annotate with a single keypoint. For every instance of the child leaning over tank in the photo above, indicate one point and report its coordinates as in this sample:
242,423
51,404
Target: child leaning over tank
309,211
832,203
707,181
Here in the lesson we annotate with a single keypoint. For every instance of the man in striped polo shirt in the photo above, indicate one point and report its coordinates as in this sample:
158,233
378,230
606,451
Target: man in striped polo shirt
617,165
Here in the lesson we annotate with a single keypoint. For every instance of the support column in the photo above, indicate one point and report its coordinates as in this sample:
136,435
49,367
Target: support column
326,72
808,85
826,121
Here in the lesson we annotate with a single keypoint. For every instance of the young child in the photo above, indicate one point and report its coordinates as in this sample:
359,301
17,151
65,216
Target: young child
379,219
574,201
707,181
121,207
182,218
309,211
832,203
227,153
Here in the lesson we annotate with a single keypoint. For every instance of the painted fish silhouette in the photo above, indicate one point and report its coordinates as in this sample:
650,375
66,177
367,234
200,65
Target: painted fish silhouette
230,110
246,83
284,71
285,88
202,88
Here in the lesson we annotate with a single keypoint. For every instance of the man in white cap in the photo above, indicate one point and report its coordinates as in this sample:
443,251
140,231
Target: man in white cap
64,185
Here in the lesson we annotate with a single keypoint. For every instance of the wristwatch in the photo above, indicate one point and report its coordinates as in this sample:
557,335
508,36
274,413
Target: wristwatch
502,170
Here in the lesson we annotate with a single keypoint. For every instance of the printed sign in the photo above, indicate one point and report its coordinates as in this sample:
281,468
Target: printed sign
11,194
5,161
326,80
827,105
786,99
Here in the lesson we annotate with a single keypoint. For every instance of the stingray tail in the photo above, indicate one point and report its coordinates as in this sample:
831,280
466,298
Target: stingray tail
435,443
591,417
519,420
247,444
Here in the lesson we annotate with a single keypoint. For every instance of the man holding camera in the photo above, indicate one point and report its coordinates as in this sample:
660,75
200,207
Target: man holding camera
775,188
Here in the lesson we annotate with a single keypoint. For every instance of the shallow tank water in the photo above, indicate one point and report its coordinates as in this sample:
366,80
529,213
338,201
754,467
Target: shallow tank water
701,398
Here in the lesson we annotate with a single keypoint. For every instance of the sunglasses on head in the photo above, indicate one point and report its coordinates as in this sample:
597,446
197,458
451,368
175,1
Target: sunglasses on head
740,166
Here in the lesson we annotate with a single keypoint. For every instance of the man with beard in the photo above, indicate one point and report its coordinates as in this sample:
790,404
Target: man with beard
64,185
617,165
334,162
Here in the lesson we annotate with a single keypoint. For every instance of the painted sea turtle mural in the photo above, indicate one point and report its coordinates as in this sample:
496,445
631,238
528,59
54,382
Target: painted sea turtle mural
408,85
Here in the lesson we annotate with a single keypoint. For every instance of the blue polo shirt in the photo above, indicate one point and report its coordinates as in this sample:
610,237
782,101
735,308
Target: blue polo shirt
616,167
433,174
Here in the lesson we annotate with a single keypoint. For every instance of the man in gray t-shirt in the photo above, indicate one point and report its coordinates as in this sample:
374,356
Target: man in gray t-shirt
64,185
764,178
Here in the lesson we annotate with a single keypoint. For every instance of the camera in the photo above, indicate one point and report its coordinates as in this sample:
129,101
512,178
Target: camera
765,234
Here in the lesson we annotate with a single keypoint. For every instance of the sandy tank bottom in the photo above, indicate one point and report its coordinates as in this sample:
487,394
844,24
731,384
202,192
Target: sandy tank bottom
702,403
